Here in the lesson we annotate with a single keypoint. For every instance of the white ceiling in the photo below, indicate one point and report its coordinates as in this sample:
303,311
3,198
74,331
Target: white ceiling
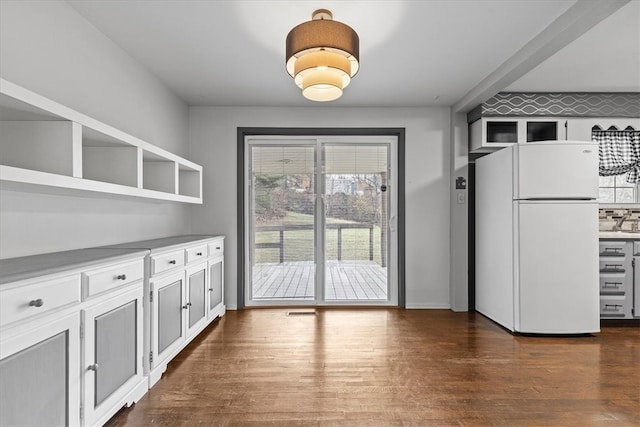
412,53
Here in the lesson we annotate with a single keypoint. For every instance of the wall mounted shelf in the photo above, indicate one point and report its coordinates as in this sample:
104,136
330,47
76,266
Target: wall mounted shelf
47,147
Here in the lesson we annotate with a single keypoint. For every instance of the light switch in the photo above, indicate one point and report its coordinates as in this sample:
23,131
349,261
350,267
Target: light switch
460,198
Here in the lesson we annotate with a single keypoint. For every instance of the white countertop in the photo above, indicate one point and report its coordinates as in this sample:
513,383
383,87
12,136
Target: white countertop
621,235
163,243
21,268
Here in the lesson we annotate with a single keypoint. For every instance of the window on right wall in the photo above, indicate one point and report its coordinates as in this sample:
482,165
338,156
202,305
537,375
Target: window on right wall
616,189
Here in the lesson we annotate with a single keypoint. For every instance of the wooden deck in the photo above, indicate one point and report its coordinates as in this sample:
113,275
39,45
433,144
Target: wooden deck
345,280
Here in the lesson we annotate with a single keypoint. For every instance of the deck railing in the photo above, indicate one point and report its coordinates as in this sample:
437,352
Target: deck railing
297,227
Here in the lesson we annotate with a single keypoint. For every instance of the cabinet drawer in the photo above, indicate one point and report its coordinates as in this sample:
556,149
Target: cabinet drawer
216,249
614,284
44,297
165,262
111,277
613,306
613,265
612,249
196,253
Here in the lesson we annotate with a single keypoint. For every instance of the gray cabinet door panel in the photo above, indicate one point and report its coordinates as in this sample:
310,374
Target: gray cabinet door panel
116,356
197,294
216,285
33,389
169,314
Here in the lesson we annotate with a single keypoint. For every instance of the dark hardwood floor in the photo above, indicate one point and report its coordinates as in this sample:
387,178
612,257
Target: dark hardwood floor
392,367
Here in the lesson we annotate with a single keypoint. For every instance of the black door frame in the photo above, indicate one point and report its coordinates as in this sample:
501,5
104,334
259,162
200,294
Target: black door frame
242,132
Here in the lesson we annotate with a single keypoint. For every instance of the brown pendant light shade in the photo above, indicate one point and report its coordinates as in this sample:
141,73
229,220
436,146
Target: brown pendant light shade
322,56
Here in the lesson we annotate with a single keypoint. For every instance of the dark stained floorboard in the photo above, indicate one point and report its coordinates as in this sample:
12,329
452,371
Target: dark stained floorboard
392,367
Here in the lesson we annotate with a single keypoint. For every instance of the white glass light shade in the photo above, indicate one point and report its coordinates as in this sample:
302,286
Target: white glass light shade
322,75
322,85
322,56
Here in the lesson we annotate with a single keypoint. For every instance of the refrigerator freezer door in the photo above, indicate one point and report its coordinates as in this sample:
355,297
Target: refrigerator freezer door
554,170
557,289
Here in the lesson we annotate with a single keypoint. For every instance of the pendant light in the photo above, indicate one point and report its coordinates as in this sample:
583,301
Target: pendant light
322,56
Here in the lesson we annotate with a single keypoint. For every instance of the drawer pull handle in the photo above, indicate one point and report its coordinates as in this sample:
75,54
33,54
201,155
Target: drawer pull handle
121,277
187,305
614,250
612,284
36,303
210,289
613,306
614,267
217,248
93,367
199,253
173,261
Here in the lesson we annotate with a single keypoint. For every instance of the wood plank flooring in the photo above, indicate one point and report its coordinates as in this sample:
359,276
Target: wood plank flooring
392,367
346,280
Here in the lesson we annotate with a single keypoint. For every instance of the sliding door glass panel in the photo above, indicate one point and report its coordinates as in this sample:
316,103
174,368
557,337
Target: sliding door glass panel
356,207
282,225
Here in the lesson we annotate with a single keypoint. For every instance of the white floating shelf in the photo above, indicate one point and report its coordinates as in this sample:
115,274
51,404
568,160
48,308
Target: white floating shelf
45,145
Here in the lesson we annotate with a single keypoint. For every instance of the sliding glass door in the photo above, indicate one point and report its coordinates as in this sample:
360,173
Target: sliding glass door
282,221
318,221
356,208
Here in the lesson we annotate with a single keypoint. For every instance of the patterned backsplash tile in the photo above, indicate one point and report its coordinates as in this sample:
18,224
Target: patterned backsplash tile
609,217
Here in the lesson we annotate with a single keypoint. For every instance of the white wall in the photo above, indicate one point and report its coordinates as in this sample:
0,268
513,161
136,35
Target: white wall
213,133
459,223
47,47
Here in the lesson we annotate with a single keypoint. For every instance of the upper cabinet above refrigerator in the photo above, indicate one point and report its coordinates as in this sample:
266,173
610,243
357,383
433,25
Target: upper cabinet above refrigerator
490,133
580,128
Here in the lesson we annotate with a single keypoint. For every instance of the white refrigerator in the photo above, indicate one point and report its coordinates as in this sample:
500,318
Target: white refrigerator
537,237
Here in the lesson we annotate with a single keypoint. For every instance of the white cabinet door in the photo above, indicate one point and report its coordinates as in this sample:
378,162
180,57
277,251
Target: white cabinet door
112,354
167,320
216,288
196,292
39,370
579,129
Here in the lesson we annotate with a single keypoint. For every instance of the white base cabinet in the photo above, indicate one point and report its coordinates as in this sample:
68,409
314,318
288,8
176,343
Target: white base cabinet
71,337
619,279
84,333
184,286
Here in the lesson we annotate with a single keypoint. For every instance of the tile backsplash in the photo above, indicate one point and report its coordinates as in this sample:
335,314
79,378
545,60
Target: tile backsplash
609,217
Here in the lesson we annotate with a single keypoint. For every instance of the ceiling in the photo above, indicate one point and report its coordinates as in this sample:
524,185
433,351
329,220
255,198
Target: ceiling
412,53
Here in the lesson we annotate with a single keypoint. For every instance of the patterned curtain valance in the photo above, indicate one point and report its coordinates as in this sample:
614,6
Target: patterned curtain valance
619,152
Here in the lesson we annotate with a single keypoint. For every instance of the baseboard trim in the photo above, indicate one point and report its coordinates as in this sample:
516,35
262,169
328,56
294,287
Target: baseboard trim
411,306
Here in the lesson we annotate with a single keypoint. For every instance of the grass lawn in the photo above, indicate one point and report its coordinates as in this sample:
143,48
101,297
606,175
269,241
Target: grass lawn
299,244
